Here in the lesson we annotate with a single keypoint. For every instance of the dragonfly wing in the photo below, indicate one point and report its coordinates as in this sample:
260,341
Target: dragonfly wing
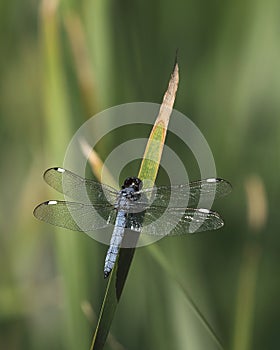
205,189
78,188
178,221
74,216
187,194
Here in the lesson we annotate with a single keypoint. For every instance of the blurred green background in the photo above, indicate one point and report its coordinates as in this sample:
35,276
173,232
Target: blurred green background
63,61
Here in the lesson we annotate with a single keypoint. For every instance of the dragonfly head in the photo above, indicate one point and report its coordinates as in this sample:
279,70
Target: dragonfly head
133,182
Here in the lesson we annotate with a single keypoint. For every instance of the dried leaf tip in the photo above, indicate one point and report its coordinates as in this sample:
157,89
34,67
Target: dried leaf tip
170,94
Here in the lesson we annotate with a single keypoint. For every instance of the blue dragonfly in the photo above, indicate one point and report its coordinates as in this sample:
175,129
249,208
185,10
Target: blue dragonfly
132,207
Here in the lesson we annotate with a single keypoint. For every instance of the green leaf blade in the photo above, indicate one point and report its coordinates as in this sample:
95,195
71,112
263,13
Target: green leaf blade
148,172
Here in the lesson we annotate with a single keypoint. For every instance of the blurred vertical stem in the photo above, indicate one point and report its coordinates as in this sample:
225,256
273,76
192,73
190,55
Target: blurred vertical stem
82,62
246,297
57,135
245,304
100,47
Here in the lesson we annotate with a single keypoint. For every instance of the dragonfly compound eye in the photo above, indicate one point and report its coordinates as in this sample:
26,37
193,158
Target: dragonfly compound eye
133,182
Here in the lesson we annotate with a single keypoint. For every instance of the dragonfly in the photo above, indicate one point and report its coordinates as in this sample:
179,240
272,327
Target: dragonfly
131,208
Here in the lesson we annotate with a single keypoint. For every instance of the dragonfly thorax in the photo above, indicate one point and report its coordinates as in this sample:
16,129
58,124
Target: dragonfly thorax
127,197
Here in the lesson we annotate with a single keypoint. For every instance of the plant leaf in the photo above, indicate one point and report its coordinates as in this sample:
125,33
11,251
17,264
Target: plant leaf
148,171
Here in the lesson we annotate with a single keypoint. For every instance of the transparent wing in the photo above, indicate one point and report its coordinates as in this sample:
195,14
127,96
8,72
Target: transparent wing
78,188
179,221
185,195
75,216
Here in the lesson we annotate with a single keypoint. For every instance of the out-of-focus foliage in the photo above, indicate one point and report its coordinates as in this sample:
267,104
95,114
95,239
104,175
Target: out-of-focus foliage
63,61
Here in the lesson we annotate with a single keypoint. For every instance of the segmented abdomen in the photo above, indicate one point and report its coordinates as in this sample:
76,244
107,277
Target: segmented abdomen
115,243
